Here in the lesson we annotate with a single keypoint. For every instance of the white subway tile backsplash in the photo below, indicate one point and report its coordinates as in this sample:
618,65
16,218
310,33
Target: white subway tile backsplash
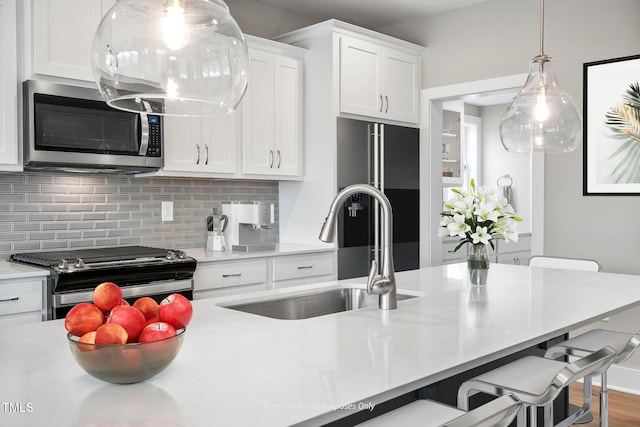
50,211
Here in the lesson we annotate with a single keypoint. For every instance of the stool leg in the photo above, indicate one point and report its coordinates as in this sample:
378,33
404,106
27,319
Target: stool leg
548,415
533,416
586,402
604,402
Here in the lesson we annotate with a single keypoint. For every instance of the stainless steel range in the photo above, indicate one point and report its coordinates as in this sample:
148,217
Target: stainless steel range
138,270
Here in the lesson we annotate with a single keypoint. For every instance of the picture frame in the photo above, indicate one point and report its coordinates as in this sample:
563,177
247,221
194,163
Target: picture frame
611,124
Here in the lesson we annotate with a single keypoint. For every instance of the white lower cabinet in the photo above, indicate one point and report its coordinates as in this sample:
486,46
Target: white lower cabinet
223,278
302,269
219,278
21,300
517,253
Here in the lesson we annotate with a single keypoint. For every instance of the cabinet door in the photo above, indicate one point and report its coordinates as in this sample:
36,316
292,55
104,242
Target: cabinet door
219,135
401,87
63,33
287,110
182,143
361,77
9,159
257,116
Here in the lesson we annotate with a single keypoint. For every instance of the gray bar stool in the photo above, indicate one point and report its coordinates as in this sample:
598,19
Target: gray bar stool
536,382
623,344
427,413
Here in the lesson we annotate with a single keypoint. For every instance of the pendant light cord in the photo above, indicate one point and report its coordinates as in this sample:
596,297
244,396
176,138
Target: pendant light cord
541,27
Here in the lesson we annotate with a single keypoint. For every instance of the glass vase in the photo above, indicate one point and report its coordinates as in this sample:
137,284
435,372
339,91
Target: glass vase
478,263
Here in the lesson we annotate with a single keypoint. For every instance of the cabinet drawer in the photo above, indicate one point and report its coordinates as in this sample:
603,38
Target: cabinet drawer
302,266
20,296
221,275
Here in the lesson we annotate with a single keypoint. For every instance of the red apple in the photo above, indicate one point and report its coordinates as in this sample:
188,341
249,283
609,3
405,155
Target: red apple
175,310
89,339
107,295
156,331
130,318
124,302
82,318
148,306
111,333
157,347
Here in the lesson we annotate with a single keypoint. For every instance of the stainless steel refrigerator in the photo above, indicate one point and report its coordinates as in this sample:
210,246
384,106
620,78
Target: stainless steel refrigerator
386,157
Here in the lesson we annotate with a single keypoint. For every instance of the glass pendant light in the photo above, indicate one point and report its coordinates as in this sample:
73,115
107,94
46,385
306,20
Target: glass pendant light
171,57
542,117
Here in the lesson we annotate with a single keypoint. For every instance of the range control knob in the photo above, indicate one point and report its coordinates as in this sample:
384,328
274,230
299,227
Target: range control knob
64,265
79,263
181,254
171,255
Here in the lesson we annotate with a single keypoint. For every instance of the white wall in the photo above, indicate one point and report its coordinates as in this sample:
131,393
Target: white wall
264,20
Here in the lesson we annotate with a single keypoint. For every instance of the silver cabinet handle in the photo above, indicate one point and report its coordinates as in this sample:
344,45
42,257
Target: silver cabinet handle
279,159
206,150
381,104
198,150
386,98
271,157
304,267
10,299
232,275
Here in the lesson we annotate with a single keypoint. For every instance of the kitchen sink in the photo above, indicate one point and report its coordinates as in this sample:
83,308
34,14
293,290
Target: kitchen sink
313,304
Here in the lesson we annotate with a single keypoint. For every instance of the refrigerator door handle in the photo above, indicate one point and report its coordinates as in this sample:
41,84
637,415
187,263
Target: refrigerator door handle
380,186
376,178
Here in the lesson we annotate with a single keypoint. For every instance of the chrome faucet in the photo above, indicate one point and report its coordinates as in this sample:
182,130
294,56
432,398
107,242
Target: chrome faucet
383,282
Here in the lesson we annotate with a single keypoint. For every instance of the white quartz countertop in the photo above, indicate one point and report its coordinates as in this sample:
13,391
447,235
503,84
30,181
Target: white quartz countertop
281,249
12,270
245,370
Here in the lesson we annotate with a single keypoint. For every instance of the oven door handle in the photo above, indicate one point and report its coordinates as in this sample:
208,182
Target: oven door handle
168,286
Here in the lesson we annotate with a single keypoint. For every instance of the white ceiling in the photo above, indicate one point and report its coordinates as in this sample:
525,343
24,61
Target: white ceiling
370,13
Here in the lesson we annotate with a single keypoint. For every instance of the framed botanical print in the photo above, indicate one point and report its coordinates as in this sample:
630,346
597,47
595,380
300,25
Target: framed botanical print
612,127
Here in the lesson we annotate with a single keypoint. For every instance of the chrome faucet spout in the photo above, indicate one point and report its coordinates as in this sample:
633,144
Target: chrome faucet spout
381,281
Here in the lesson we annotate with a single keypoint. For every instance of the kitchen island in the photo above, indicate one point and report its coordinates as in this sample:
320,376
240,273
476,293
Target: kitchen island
242,369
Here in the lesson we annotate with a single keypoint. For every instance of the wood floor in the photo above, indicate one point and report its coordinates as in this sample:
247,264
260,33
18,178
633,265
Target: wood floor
624,408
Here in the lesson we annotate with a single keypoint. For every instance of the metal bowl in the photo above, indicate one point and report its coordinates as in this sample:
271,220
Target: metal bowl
126,363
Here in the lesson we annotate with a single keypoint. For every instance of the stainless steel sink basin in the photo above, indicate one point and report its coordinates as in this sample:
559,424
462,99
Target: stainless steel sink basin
313,304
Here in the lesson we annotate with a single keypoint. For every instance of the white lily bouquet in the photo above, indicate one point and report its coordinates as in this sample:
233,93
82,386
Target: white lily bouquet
477,215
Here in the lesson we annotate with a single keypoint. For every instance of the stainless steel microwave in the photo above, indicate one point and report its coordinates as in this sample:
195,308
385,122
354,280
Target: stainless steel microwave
72,129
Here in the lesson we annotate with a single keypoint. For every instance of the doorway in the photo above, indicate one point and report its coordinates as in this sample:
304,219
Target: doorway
483,93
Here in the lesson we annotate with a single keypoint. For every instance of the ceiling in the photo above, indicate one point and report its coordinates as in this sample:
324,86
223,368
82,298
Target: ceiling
370,14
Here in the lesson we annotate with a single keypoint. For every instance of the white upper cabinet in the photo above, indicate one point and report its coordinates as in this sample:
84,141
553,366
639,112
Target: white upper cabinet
9,146
378,81
200,146
272,139
63,33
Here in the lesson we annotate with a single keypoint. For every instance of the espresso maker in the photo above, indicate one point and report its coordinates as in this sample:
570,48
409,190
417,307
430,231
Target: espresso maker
247,222
216,225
